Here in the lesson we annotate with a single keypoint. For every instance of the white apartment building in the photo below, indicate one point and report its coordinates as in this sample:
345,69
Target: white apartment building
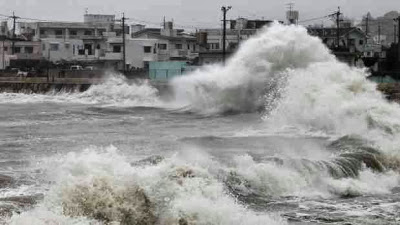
167,44
98,38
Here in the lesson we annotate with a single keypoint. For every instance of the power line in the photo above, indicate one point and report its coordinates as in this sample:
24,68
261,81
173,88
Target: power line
313,19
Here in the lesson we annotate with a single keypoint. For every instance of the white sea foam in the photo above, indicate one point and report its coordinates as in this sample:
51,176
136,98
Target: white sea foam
300,84
271,179
255,74
114,91
283,69
179,189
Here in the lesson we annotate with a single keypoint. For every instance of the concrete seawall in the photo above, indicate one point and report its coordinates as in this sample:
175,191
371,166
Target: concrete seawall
40,85
43,85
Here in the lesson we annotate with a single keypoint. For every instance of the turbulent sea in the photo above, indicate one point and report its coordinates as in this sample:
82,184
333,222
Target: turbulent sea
283,134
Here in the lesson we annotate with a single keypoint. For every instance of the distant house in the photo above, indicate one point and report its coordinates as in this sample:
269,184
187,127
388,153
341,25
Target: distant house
353,39
26,53
352,42
151,45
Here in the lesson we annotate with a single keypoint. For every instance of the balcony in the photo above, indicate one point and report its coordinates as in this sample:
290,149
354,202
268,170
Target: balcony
91,37
79,37
28,56
176,53
113,56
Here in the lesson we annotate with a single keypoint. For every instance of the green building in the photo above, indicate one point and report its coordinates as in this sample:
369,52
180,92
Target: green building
164,71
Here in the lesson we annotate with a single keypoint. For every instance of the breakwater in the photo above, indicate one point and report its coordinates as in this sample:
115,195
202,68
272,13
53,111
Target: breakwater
42,85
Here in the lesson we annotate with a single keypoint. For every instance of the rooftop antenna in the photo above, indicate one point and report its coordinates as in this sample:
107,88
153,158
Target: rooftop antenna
292,16
164,23
291,6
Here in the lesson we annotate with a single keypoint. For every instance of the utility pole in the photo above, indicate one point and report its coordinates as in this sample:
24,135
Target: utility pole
367,24
338,14
13,35
123,43
4,65
398,37
224,10
394,33
379,33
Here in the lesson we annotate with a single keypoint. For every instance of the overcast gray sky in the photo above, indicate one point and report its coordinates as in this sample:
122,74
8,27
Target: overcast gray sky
197,13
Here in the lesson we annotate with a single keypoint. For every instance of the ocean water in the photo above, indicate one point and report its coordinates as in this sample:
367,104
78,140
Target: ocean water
283,134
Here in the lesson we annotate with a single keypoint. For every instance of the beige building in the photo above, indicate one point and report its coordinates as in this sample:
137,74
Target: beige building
167,44
98,38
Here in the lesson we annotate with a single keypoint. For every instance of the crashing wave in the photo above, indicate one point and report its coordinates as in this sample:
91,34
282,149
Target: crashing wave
98,188
254,76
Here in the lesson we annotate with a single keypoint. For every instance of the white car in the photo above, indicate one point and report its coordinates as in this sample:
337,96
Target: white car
76,68
22,73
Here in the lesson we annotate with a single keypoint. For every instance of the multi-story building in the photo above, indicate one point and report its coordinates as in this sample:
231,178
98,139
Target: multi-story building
26,53
97,39
4,31
238,31
166,44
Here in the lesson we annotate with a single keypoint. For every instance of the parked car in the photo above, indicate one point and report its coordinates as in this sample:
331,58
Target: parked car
21,73
90,68
76,67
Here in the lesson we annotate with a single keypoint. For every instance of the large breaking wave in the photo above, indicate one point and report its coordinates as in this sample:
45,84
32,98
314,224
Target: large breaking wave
295,80
255,75
299,84
101,186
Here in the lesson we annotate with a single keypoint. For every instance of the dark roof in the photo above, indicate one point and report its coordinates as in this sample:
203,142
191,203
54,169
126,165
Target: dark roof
153,31
331,32
159,36
147,30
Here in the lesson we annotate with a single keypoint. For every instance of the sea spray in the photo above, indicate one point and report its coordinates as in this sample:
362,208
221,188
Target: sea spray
300,85
115,90
255,74
100,186
118,91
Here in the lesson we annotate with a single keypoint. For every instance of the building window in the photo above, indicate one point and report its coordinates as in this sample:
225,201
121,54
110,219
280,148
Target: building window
101,31
88,33
117,49
67,45
178,46
29,50
352,42
59,32
73,33
17,49
214,46
361,42
44,47
188,47
6,49
162,46
53,47
147,49
42,32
